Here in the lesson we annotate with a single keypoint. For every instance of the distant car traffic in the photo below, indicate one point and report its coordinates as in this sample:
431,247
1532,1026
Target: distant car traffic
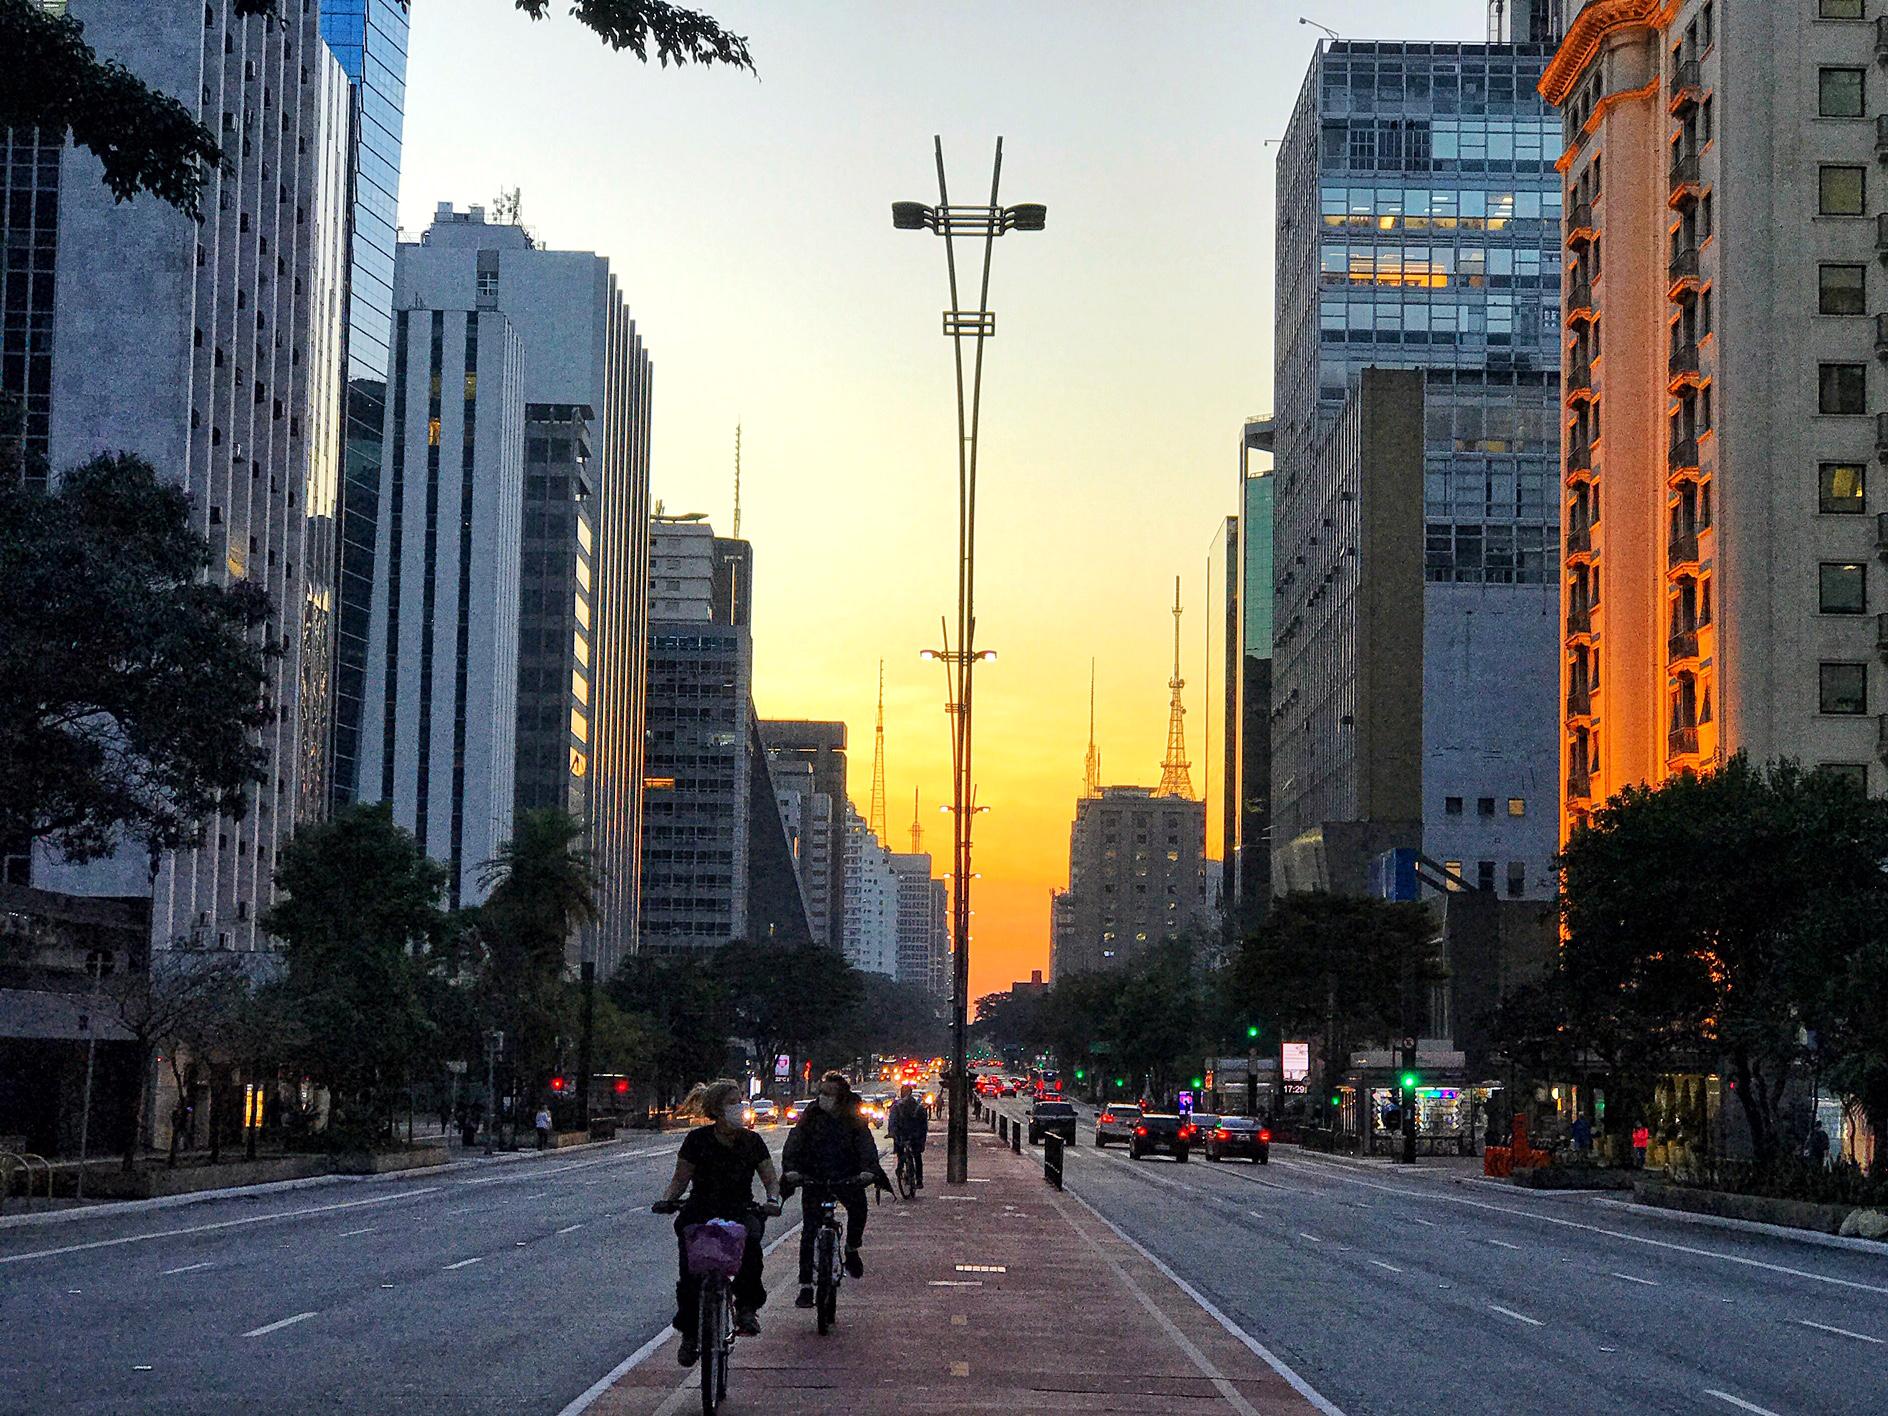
797,1109
1051,1117
1162,1135
762,1111
1239,1136
1115,1122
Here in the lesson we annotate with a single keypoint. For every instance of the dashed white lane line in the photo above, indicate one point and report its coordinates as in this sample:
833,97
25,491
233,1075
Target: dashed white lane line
1739,1402
187,1268
1504,1244
370,1229
277,1326
463,1263
1839,1332
1649,1283
1518,1317
1391,1267
1425,1223
219,1224
570,1228
1312,1237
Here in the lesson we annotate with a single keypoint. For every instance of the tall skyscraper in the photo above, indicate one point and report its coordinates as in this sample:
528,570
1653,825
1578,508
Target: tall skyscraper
871,902
1137,879
438,725
1248,769
582,611
1722,567
806,814
369,37
822,747
1419,227
915,918
213,349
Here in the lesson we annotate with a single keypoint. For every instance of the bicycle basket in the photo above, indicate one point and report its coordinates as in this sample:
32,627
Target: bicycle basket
715,1247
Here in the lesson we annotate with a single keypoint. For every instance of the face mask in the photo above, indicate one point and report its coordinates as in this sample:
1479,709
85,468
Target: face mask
828,1103
734,1115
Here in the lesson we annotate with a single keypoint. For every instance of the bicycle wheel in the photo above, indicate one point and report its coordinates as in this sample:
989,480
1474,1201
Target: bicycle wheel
907,1176
826,1275
710,1336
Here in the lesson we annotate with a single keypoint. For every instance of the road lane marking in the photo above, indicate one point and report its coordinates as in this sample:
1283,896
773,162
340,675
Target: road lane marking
570,1229
1239,1334
219,1224
1649,1283
370,1229
463,1263
187,1268
1391,1267
1520,1317
268,1328
1312,1237
1739,1402
1425,1223
1504,1244
1601,1229
1839,1332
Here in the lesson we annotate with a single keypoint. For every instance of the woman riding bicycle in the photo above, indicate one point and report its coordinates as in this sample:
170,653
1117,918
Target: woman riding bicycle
832,1144
717,1165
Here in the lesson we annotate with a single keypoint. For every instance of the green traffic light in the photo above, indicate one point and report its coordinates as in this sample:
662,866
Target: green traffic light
1198,1082
1252,1030
1079,1074
1120,1081
1409,1081
1337,1098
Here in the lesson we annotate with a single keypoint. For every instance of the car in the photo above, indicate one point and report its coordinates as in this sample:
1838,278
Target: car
1203,1121
762,1111
1156,1134
875,1108
797,1109
1115,1122
1047,1117
1239,1135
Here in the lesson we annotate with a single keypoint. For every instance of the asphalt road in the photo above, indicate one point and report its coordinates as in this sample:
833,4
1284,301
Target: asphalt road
1407,1293
498,1286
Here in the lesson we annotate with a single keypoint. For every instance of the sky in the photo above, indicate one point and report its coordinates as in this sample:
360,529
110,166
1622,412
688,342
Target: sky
747,217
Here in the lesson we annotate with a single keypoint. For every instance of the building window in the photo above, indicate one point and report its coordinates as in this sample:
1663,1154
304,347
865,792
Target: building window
1453,869
1517,806
1842,290
1842,588
1842,388
1842,191
1839,93
1842,688
1517,879
1485,806
1452,805
1485,875
1853,773
1841,487
1840,10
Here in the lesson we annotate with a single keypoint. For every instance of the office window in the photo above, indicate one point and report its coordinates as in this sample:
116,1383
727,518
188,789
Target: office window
1452,805
1485,875
1840,10
1841,487
1854,773
1839,93
1517,879
1485,806
1842,588
1517,806
1842,388
1842,290
1453,869
1842,191
1842,688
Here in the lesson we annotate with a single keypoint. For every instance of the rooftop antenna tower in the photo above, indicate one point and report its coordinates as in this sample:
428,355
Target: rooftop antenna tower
1175,781
1091,769
875,820
917,827
737,482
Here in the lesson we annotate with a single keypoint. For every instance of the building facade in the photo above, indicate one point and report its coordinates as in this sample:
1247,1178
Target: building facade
1137,879
1419,227
871,901
1725,219
213,350
916,919
806,814
369,38
822,747
1247,810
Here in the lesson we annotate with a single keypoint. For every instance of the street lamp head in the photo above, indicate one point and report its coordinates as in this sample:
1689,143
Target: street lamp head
909,216
986,655
929,655
1029,216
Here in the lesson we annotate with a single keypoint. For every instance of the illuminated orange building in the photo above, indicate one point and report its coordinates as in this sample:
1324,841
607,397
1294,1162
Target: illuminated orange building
1721,189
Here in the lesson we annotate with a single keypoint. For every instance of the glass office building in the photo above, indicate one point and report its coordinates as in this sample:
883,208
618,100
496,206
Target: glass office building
1419,227
369,37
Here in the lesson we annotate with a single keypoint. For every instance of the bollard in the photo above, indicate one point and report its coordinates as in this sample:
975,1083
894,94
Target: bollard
1002,1127
1016,1138
1052,1159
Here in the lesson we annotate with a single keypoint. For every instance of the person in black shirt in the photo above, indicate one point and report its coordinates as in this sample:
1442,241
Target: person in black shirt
717,1166
832,1143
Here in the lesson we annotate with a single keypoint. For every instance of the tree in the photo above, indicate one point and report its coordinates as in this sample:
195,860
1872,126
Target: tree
131,688
899,1019
1011,1019
784,998
149,142
681,1004
1156,1019
360,921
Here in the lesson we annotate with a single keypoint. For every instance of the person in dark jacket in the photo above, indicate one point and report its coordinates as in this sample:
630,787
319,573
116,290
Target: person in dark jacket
909,1124
831,1144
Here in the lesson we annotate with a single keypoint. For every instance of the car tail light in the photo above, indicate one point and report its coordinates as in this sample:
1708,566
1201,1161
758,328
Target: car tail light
1188,1132
1140,1130
1222,1134
1265,1136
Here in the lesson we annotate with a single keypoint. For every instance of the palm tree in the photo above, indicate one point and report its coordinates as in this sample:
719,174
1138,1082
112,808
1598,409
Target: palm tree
542,877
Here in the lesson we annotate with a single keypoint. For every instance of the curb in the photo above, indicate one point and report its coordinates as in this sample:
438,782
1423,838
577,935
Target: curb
1877,1247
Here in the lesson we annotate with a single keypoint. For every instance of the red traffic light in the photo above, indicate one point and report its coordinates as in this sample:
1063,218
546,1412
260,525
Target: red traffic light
557,1084
622,1086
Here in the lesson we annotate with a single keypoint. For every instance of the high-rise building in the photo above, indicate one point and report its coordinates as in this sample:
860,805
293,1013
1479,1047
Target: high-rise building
1247,808
213,349
582,609
1419,227
1137,879
369,37
821,746
438,725
940,941
697,808
1722,562
916,921
806,813
871,901
1347,730
1529,21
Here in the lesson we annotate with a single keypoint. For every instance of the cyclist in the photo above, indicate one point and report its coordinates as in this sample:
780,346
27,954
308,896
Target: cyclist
909,1124
717,1166
832,1145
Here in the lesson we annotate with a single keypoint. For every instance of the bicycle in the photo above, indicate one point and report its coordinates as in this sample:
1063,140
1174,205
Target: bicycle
907,1175
828,1272
720,1259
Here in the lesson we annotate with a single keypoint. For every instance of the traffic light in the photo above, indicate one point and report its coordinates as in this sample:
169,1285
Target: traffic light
1409,1081
1080,1074
1198,1082
557,1084
622,1086
1252,1032
1120,1081
1337,1098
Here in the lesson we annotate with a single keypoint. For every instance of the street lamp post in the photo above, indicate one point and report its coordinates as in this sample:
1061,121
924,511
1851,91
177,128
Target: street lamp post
974,325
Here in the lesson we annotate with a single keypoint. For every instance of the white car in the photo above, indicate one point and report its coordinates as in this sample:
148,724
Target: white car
762,1111
1116,1121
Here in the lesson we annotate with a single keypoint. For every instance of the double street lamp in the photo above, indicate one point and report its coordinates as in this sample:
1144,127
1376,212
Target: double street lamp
961,325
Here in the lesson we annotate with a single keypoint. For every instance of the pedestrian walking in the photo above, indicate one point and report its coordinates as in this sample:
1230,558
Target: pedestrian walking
1582,1136
469,1126
1641,1142
544,1127
1819,1146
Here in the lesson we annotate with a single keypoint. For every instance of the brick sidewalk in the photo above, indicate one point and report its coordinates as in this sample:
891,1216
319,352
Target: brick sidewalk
1000,1295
